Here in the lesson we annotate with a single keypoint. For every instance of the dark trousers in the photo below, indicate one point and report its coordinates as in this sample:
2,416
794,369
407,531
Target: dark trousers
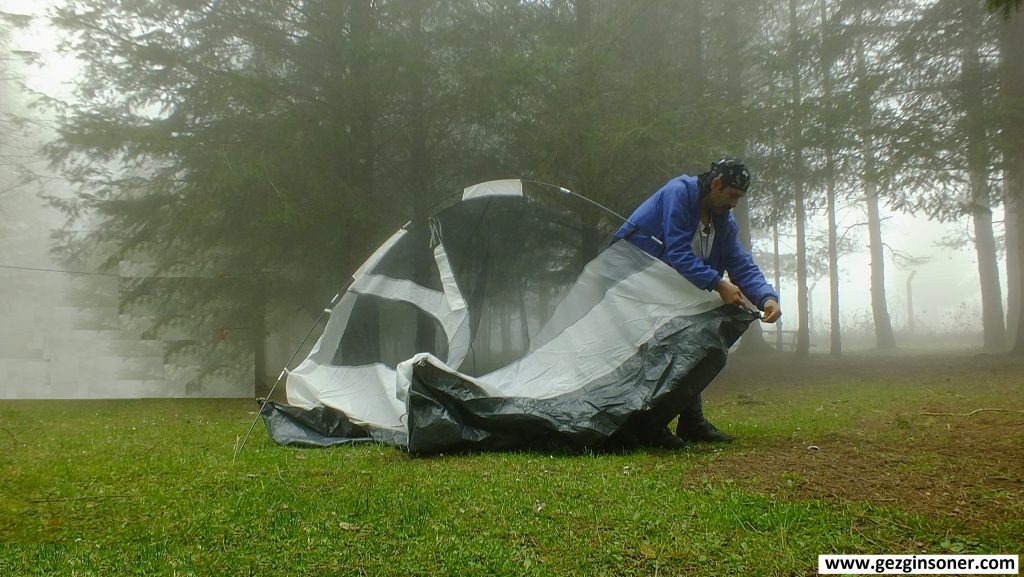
684,398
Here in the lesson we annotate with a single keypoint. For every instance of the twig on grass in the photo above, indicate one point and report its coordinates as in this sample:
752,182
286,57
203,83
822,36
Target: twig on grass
82,498
13,436
972,413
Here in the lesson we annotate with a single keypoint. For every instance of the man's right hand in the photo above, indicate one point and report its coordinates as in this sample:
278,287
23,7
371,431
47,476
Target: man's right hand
730,293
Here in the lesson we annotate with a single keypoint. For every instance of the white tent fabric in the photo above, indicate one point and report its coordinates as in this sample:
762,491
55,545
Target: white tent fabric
494,188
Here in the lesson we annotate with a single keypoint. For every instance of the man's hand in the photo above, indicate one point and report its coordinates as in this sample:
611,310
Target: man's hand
771,311
730,293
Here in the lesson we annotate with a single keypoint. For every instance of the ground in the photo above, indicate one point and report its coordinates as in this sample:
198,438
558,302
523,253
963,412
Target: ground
944,437
869,454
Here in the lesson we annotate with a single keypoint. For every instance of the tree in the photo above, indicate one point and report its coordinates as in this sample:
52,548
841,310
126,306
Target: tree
802,128
884,336
945,155
613,116
978,163
1006,7
250,154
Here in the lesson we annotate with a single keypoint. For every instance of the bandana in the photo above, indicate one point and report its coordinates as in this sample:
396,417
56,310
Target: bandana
732,171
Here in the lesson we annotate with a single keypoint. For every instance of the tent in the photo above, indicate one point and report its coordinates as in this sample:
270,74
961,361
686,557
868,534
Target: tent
503,320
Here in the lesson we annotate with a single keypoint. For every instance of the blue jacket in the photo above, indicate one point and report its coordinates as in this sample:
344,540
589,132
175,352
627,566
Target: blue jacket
672,215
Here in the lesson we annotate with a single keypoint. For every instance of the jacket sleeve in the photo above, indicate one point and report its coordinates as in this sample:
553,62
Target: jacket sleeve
680,223
743,271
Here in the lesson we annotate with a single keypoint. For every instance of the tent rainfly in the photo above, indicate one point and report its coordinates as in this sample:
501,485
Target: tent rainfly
503,320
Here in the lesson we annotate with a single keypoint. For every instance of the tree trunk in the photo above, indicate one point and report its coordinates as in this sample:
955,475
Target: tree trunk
419,164
585,180
363,105
695,50
362,119
753,338
778,278
506,331
835,330
977,167
418,158
1013,261
988,271
693,81
524,319
1018,183
262,387
884,337
910,302
1011,48
803,341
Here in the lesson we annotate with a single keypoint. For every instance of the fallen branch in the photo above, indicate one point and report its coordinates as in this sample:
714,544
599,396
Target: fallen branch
972,413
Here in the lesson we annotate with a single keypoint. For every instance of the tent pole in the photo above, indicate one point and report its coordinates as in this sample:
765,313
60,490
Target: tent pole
564,190
580,196
284,371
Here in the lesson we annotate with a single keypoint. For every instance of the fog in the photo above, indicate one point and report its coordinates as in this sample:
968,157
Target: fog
944,288
82,323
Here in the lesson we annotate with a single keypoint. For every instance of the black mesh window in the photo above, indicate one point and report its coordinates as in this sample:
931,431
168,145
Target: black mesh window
388,332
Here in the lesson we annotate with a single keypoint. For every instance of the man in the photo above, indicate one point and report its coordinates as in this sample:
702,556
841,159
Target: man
688,224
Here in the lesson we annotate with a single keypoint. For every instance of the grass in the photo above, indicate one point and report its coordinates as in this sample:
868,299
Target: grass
149,487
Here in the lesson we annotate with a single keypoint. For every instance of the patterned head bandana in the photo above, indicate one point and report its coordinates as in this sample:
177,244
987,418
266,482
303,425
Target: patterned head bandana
733,172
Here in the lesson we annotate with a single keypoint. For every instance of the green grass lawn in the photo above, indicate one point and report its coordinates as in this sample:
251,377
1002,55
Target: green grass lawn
833,458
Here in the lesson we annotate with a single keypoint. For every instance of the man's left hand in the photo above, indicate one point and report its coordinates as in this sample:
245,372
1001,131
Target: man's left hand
771,311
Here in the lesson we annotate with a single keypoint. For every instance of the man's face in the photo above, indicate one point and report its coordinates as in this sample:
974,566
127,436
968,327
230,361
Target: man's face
722,199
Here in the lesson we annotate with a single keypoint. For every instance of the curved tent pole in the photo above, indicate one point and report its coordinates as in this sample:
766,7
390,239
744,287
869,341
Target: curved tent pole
564,190
434,207
284,371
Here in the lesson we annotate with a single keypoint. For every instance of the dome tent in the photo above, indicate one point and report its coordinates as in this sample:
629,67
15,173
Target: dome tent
503,320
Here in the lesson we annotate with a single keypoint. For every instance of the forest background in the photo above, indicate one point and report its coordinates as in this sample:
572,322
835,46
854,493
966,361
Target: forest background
224,166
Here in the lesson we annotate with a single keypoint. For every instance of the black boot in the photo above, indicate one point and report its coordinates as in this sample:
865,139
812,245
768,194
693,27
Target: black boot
661,438
694,427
